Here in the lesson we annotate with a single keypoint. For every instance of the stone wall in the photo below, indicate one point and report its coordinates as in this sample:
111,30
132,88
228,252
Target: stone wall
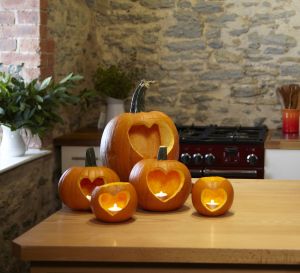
215,62
28,194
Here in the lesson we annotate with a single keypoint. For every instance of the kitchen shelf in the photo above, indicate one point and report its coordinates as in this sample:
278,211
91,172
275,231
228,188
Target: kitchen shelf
8,163
277,140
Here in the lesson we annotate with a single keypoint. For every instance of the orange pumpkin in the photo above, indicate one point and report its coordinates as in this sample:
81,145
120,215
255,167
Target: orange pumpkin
131,137
114,202
161,184
77,183
212,196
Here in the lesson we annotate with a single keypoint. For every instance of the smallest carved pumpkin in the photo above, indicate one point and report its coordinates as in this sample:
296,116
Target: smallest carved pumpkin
212,196
77,183
114,202
161,184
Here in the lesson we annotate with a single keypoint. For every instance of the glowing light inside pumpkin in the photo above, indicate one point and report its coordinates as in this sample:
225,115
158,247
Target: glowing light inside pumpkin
161,194
88,197
115,208
212,204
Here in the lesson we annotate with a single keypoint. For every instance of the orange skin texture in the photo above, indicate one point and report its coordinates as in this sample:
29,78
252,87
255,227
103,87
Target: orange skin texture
131,137
113,189
69,185
213,183
165,170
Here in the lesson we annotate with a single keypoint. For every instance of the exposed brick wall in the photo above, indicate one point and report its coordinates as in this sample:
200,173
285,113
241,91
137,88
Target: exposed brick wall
24,39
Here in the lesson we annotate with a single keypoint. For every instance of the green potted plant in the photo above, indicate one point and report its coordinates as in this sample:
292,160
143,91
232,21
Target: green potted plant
32,105
115,84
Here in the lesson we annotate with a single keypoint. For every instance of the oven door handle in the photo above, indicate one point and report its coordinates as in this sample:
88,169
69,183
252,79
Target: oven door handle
232,173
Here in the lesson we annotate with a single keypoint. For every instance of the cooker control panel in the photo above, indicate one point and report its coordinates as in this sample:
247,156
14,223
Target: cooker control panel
252,159
185,158
222,155
209,159
197,158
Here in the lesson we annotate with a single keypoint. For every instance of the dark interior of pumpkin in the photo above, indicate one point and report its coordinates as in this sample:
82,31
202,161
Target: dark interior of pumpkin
87,186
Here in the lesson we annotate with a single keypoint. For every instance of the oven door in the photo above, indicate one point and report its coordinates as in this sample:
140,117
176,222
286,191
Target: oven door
229,173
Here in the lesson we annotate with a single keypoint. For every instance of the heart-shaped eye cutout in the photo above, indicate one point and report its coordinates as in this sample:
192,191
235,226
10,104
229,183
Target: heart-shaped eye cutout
87,186
213,199
164,186
114,203
145,140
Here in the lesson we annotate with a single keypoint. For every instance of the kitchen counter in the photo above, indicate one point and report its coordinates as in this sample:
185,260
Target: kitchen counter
87,136
277,140
261,233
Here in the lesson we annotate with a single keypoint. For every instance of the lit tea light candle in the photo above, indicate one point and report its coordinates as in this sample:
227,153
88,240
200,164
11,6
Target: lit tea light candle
115,208
88,197
212,204
161,194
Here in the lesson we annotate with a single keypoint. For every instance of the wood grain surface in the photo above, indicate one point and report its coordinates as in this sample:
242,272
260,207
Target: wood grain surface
262,227
277,140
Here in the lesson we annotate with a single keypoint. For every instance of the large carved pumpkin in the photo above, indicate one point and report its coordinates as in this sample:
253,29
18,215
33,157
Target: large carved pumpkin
77,183
161,184
131,137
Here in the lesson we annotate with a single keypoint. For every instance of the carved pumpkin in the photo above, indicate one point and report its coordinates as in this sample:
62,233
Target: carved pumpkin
131,137
161,184
77,183
114,202
212,196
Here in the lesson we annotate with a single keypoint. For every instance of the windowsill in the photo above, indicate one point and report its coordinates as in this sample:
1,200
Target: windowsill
8,163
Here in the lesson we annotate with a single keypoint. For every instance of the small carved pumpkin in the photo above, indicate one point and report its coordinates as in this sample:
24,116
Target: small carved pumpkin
77,183
212,196
161,184
131,137
114,202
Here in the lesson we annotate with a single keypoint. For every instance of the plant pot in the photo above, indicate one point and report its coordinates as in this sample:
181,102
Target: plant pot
12,143
114,108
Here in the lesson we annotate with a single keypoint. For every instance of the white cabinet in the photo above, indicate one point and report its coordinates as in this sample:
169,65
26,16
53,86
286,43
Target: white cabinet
75,156
282,164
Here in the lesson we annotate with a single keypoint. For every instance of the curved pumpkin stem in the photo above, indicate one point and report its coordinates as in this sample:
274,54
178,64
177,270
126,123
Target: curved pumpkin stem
90,157
138,97
162,153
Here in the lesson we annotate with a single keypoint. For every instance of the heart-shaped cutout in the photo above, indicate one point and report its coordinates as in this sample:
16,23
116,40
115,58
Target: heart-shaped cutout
87,186
114,203
145,140
213,199
164,186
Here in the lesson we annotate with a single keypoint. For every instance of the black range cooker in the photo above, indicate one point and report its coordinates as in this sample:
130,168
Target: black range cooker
232,152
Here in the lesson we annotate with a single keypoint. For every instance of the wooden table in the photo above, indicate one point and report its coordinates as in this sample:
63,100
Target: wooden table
261,233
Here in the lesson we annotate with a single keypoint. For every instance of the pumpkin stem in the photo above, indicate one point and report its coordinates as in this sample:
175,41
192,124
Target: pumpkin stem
138,97
90,157
162,153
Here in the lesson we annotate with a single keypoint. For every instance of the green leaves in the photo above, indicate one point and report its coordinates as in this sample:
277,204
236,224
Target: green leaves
114,81
34,105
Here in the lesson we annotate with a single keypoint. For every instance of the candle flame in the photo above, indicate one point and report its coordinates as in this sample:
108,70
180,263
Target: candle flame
161,194
114,208
212,204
